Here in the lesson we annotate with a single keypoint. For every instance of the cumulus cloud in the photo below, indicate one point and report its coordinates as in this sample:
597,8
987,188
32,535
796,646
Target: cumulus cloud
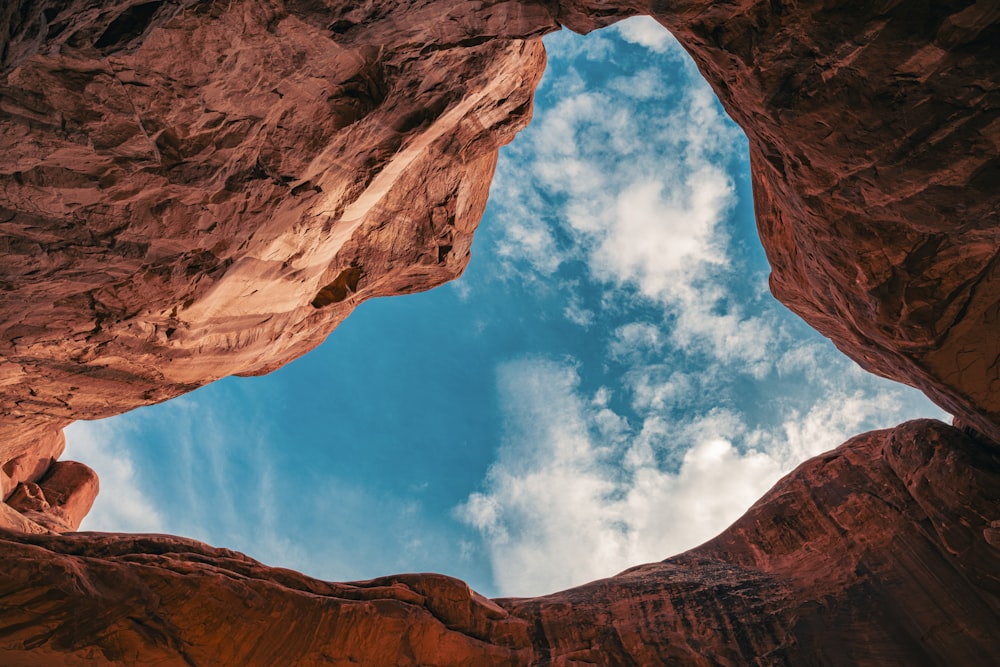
718,392
639,192
576,313
658,387
578,493
646,32
635,340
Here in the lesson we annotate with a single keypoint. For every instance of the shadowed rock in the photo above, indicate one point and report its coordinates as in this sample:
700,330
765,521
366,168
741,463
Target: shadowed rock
873,554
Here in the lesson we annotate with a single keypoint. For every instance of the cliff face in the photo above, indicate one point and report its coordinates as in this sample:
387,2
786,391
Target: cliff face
881,552
194,189
194,192
874,138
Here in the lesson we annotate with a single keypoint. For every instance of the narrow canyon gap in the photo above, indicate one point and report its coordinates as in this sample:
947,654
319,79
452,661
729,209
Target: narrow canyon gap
880,229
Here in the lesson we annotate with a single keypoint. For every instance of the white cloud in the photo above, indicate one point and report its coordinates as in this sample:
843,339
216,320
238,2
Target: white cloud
665,242
658,388
462,289
635,340
646,84
577,494
645,31
121,505
640,192
564,44
532,241
577,314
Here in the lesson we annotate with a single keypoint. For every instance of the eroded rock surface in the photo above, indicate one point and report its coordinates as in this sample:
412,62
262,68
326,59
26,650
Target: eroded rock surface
872,554
191,192
875,151
191,189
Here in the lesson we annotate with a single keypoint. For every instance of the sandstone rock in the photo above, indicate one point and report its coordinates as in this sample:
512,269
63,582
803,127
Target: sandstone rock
872,554
61,499
11,519
176,219
90,598
194,189
874,137
190,191
31,453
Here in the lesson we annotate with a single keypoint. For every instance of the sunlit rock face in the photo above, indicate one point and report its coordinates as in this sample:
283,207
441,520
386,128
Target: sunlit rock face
194,189
877,553
192,192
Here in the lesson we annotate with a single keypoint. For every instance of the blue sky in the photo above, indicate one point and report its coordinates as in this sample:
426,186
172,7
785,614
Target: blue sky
608,384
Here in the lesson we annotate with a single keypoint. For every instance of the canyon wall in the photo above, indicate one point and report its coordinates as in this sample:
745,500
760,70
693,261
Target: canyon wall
190,190
881,552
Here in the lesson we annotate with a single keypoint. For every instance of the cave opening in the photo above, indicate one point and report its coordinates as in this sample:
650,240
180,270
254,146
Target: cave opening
609,371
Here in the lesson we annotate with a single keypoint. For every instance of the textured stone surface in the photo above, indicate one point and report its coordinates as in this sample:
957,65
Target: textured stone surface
210,191
872,554
875,151
174,219
194,189
61,498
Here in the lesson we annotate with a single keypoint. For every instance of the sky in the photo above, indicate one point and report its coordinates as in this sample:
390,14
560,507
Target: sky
609,383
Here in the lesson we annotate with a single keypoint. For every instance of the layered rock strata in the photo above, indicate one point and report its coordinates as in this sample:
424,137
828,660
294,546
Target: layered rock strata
881,552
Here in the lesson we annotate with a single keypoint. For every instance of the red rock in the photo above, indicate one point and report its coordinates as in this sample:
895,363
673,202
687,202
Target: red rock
35,450
190,218
11,519
61,499
872,554
194,189
874,142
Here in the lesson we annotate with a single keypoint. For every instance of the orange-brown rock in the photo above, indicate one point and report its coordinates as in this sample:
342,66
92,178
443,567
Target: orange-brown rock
29,462
61,498
190,189
873,554
875,151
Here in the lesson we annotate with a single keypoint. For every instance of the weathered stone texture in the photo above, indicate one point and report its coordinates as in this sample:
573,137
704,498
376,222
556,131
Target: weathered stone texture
873,554
194,189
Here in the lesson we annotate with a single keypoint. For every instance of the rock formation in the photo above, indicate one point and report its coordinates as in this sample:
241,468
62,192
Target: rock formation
200,190
872,554
191,189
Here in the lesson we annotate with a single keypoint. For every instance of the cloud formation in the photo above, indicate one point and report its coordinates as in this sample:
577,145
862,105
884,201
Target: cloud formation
206,467
578,493
708,391
631,179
